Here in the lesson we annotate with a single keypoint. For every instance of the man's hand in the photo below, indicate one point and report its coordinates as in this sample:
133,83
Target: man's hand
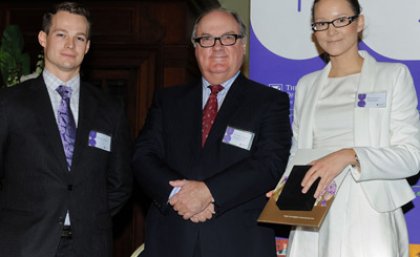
204,215
192,199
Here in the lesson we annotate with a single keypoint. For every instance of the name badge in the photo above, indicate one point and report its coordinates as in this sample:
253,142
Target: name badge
99,140
239,138
371,100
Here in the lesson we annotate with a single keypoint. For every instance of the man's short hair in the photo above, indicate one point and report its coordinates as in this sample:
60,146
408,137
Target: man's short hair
71,7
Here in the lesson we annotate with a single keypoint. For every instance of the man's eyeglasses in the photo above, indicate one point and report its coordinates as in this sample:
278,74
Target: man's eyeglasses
338,23
210,41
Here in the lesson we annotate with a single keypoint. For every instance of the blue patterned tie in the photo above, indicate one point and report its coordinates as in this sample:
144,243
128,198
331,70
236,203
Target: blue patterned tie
66,124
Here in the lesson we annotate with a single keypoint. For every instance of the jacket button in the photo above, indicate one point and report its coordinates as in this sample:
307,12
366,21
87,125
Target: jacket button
69,187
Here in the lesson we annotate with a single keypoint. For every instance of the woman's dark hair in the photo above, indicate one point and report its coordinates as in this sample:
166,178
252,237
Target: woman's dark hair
354,4
71,7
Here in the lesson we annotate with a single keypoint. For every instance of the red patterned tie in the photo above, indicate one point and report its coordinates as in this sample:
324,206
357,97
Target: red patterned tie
209,113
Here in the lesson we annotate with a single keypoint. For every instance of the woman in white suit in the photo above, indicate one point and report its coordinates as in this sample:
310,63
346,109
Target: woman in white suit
367,112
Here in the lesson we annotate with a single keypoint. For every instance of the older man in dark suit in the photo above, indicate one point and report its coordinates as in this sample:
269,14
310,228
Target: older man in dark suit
64,152
210,150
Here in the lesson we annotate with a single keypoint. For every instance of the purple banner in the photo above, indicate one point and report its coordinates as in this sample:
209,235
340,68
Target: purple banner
282,51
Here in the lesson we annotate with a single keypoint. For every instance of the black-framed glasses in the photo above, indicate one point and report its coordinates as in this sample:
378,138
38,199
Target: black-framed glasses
338,23
210,41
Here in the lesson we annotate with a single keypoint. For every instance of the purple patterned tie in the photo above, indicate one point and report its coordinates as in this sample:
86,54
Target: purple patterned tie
66,124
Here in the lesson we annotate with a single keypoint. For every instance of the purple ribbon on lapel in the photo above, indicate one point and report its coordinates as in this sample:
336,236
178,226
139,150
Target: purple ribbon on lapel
362,100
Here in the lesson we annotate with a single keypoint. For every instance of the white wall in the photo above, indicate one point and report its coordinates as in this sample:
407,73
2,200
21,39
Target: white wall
242,8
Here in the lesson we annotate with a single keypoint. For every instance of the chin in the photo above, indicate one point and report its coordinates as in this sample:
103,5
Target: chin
333,52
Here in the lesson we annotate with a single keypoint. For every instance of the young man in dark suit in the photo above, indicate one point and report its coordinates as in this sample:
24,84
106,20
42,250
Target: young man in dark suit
64,152
209,152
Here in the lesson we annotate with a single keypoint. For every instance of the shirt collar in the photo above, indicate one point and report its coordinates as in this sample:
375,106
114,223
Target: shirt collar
226,85
53,82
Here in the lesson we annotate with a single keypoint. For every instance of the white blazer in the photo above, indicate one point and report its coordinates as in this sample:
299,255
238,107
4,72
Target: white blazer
387,140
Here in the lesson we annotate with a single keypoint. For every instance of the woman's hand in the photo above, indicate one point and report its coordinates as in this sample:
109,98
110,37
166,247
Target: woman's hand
269,194
327,168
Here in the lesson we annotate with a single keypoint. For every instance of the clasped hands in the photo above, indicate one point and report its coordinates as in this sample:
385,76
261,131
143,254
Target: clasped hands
193,202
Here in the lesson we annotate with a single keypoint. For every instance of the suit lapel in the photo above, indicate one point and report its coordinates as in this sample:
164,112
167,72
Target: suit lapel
46,116
230,105
87,109
308,109
361,115
194,103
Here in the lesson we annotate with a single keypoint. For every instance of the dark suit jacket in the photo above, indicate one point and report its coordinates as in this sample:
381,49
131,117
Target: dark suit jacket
169,147
37,189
